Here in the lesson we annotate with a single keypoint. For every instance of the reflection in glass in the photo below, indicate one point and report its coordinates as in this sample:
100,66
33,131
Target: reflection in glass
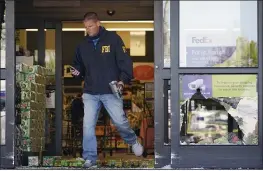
169,116
214,38
25,45
49,55
167,111
219,110
166,33
2,111
50,50
3,45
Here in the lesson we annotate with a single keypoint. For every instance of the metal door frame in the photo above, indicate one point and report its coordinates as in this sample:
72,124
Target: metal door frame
161,75
211,156
8,74
7,151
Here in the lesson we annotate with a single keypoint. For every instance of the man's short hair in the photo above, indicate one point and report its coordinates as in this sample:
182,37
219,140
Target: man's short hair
91,16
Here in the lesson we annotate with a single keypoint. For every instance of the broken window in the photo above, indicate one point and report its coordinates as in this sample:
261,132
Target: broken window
219,110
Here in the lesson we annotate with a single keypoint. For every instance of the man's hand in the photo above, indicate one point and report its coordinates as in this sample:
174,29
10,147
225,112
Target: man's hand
74,71
121,85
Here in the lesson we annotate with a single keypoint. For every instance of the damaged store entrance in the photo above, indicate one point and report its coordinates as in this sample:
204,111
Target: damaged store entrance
216,84
53,45
66,131
212,74
42,42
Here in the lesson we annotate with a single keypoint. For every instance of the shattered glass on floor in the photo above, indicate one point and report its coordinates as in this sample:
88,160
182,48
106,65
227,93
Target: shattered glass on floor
101,164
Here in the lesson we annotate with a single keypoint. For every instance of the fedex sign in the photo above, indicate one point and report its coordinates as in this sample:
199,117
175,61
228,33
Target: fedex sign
201,40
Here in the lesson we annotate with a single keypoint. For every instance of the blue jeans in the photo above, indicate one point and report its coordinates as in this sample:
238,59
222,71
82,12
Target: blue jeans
92,106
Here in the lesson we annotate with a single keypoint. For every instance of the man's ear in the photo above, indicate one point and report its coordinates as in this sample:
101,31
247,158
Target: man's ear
98,23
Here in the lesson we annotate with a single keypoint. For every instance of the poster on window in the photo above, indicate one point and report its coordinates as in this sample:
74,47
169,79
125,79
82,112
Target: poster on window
191,83
211,49
219,85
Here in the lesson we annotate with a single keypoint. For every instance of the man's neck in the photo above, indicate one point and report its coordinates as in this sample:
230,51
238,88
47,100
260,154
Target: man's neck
97,35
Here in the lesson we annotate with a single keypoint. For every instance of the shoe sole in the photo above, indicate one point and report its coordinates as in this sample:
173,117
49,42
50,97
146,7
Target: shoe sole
91,167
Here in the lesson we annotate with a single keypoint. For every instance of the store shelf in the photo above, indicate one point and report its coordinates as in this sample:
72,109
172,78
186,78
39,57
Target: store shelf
50,87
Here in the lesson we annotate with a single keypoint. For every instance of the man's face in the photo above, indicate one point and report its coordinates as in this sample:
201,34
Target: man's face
92,27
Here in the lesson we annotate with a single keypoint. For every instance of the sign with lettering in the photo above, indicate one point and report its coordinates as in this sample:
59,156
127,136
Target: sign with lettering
223,85
209,49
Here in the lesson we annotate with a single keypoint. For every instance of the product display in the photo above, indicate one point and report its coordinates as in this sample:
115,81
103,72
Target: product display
32,80
50,126
18,136
135,119
49,161
33,161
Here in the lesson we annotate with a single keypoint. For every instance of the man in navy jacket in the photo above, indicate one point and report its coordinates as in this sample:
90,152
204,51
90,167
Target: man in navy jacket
101,58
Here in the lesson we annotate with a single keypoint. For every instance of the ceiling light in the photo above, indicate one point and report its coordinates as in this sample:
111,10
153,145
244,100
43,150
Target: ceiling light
138,21
206,29
137,33
130,29
109,29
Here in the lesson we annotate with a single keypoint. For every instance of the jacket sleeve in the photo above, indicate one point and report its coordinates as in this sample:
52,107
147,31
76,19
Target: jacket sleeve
78,64
124,62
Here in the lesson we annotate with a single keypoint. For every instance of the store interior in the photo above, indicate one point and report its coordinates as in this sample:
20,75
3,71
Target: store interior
38,96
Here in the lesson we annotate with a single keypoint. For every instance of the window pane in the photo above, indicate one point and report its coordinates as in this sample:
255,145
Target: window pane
26,43
166,33
137,43
169,116
2,112
167,112
50,50
219,109
50,35
219,34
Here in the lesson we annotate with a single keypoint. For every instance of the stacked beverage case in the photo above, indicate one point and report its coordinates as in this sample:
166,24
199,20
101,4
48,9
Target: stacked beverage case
32,80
